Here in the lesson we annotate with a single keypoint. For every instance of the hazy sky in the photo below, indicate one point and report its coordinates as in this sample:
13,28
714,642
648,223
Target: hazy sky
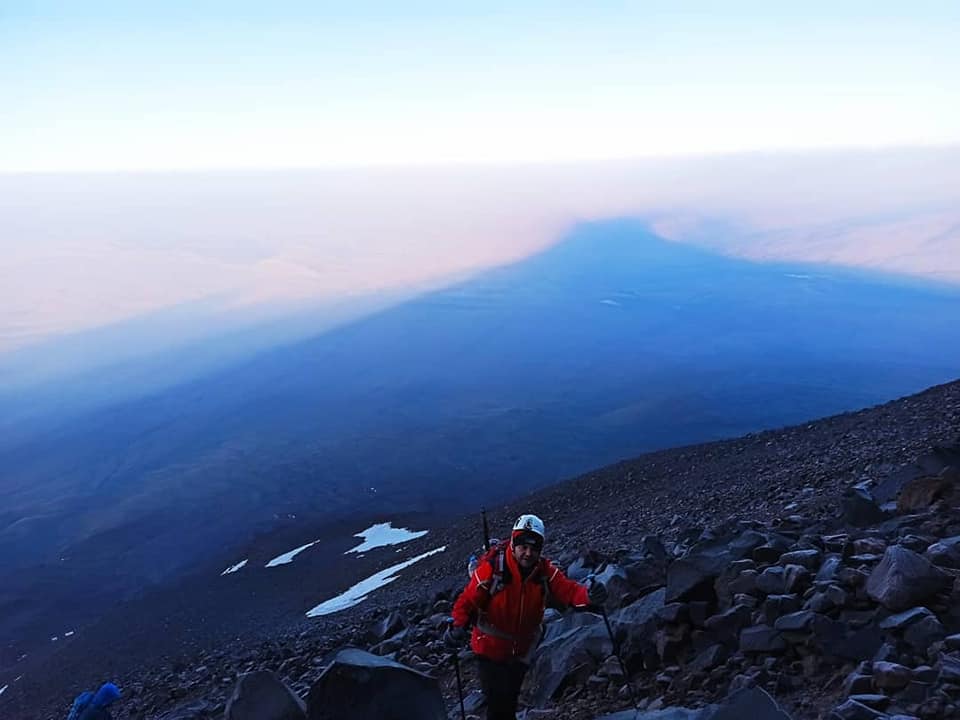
78,251
119,85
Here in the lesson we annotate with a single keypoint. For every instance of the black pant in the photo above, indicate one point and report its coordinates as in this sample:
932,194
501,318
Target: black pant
501,683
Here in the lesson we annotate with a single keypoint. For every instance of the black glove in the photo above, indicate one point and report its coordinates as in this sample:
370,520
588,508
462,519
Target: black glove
597,594
455,637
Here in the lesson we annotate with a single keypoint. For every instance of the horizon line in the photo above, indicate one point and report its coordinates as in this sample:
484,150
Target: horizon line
495,164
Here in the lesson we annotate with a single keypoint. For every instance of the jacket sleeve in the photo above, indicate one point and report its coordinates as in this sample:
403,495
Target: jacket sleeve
564,589
474,597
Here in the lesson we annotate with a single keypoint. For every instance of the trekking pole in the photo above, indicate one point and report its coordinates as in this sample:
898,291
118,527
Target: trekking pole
486,530
455,657
616,652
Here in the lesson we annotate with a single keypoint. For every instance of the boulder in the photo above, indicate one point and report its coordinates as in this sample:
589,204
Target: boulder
922,634
853,710
358,685
859,507
692,576
670,713
761,639
261,695
392,624
810,558
904,579
634,627
573,648
902,620
920,493
753,703
950,669
726,626
945,553
795,622
891,676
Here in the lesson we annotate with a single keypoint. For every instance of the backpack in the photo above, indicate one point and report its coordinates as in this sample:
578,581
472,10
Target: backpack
496,558
80,703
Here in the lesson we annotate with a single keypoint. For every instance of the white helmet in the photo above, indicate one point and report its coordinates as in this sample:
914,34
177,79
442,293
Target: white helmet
530,523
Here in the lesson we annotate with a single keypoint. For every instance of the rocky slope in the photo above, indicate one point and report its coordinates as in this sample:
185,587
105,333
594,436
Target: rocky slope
749,562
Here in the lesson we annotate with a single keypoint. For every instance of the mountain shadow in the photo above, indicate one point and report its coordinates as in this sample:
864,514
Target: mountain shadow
610,344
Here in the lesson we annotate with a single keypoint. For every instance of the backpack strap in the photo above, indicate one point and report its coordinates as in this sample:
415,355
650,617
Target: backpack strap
501,575
545,580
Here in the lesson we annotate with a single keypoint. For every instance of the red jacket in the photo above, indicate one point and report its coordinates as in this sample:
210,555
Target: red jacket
507,623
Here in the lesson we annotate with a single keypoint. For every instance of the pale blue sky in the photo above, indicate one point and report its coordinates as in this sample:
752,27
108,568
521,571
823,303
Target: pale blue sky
105,86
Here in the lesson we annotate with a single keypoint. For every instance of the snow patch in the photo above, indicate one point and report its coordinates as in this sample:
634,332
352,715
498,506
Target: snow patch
359,592
288,557
68,633
233,568
3,689
54,638
384,534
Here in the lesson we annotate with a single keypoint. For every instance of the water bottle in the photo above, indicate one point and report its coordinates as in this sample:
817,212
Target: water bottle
472,564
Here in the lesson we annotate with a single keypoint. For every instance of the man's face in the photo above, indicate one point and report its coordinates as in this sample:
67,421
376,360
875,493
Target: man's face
527,552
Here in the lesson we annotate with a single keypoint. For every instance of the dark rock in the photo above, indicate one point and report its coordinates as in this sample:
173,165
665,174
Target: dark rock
670,713
779,580
872,700
852,578
828,569
902,620
583,566
858,618
192,710
891,676
734,581
859,508
726,626
653,546
772,581
904,579
776,605
261,695
920,493
810,559
710,658
634,626
357,685
761,639
699,612
795,622
950,669
915,692
473,701
857,682
753,703
390,626
945,553
671,644
575,646
693,575
672,613
922,634
836,641
853,710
